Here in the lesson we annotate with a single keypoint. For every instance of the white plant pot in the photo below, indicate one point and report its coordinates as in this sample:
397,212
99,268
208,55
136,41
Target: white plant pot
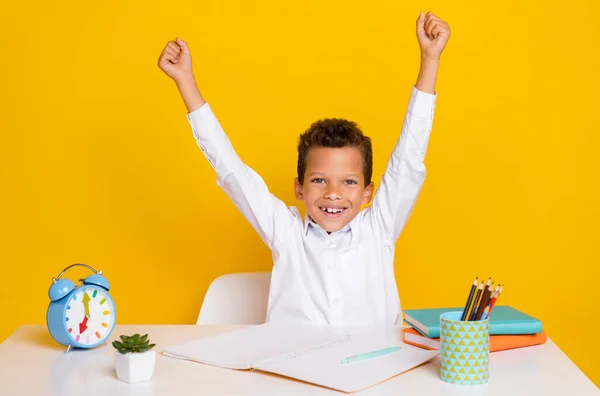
135,367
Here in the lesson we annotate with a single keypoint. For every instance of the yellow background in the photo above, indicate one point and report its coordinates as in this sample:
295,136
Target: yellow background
98,163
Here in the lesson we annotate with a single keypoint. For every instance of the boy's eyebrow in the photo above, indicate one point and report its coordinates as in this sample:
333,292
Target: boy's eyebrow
323,174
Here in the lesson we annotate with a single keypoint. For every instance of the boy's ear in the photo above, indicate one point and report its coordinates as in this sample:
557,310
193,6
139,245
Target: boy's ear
368,194
298,190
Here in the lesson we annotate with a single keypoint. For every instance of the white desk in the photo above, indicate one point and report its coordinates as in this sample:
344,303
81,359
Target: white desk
31,363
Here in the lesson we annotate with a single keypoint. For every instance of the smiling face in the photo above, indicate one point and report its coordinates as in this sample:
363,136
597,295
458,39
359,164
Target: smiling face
334,186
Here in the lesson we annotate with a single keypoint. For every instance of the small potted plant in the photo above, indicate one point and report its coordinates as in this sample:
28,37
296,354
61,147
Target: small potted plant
134,360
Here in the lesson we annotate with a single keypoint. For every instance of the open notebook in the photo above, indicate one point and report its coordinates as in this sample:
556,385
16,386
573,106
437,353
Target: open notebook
308,353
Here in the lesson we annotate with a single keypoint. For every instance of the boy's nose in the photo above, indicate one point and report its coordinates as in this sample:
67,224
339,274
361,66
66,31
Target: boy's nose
333,192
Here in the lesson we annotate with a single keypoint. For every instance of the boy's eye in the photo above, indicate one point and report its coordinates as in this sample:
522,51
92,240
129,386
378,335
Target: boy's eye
318,180
351,182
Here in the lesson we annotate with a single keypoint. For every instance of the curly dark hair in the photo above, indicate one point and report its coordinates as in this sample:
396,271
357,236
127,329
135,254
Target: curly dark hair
335,133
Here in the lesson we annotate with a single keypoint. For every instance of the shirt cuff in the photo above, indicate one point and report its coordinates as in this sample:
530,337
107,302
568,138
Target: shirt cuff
421,104
201,119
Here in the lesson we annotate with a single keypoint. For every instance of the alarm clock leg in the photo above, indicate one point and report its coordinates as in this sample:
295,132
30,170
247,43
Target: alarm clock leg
68,349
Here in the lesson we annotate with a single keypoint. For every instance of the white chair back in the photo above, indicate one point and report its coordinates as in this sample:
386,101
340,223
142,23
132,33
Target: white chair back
236,299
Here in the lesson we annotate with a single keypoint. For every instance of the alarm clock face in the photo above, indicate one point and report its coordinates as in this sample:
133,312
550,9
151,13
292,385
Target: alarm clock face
90,316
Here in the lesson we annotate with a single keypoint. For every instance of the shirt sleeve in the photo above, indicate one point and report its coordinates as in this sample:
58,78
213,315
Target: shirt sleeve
268,215
405,173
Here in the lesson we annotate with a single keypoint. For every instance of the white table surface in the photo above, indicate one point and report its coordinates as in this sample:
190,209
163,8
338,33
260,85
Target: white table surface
32,363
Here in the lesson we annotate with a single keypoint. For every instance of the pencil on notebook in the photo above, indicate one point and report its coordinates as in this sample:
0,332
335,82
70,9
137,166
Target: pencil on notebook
475,301
469,300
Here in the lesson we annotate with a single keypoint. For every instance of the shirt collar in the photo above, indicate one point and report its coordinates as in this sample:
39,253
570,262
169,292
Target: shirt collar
308,222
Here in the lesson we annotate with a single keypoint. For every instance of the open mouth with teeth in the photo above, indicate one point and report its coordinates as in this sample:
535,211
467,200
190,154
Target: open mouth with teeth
333,212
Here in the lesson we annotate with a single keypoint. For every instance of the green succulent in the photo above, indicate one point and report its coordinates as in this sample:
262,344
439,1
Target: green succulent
133,344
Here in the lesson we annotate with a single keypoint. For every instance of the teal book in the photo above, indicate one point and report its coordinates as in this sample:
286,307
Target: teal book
504,320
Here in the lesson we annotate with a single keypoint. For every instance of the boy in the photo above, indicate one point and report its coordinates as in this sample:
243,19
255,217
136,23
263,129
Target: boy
336,266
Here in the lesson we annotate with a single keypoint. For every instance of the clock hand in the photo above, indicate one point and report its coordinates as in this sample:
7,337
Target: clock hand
86,303
83,325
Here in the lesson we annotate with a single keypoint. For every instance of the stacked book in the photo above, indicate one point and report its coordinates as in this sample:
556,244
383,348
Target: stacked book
509,328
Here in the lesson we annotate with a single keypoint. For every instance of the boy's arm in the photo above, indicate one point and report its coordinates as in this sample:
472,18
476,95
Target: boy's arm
268,215
405,173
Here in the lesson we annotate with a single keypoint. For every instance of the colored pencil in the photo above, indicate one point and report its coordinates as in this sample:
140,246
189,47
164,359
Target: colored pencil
493,300
470,317
485,300
469,300
486,311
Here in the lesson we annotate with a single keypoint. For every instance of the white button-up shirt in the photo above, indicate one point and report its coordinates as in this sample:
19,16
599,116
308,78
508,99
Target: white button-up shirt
342,278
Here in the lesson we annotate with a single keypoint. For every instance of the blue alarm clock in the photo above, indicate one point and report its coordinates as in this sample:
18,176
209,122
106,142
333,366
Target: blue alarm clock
80,316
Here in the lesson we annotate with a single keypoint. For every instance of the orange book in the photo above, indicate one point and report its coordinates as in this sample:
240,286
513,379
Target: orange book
497,342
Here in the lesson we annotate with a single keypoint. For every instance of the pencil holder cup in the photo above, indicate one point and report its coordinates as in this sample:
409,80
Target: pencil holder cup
464,350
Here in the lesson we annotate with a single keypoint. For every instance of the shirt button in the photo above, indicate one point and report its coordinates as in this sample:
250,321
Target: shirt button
334,301
329,242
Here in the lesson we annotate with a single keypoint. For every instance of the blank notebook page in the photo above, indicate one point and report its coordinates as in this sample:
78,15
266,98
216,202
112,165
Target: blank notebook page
239,349
325,368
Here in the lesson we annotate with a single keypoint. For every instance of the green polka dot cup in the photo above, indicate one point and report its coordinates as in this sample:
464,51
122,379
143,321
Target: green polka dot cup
464,350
